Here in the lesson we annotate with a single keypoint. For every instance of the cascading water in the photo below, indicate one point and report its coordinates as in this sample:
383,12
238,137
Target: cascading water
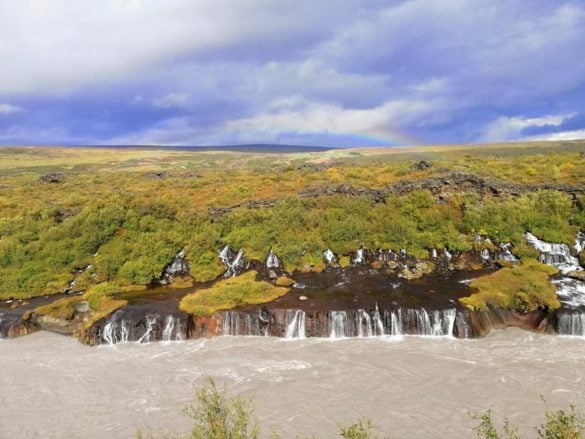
330,257
235,264
571,291
394,319
447,254
397,322
359,258
571,324
485,254
236,323
558,255
115,331
580,242
504,253
124,326
295,324
272,260
338,324
173,330
364,324
377,322
178,266
150,323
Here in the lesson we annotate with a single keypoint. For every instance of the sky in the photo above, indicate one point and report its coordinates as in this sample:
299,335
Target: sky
328,72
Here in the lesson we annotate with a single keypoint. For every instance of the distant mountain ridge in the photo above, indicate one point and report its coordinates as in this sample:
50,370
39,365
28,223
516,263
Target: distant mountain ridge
254,147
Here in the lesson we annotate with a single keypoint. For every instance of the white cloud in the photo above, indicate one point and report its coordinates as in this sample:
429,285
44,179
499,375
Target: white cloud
6,109
172,100
563,135
57,46
510,128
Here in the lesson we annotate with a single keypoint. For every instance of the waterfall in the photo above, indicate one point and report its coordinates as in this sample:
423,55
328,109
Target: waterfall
395,319
571,324
485,254
338,324
359,257
229,323
173,330
557,255
580,242
242,323
377,322
295,324
224,255
443,322
570,291
235,265
447,255
150,322
178,266
419,321
505,253
115,331
330,257
272,260
434,253
364,324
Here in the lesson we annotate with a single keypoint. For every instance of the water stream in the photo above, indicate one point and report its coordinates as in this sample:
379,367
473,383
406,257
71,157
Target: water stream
412,387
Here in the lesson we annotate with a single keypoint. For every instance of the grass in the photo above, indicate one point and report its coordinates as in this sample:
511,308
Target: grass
523,288
60,309
154,202
231,293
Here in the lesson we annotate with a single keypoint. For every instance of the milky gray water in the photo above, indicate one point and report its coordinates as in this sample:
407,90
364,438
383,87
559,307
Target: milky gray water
52,386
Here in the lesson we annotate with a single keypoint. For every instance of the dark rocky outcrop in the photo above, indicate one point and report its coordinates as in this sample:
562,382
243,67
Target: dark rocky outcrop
422,165
53,177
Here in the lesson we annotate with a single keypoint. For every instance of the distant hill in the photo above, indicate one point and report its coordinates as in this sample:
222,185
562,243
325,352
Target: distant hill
253,148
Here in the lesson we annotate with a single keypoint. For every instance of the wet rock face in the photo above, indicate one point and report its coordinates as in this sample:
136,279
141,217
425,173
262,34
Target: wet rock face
482,322
178,268
422,165
235,262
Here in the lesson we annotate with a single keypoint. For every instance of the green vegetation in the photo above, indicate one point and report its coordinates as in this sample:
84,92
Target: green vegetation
126,213
559,424
523,288
218,416
60,309
230,293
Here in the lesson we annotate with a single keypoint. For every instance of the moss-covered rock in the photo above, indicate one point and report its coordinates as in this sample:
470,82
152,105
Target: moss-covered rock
284,281
523,289
231,293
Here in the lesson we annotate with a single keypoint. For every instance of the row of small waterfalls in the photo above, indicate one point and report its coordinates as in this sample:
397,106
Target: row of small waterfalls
289,324
136,324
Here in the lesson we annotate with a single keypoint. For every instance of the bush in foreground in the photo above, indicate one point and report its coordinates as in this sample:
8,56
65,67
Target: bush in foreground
559,424
217,416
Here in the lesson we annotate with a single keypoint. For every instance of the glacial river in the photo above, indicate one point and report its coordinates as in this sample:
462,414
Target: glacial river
51,386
